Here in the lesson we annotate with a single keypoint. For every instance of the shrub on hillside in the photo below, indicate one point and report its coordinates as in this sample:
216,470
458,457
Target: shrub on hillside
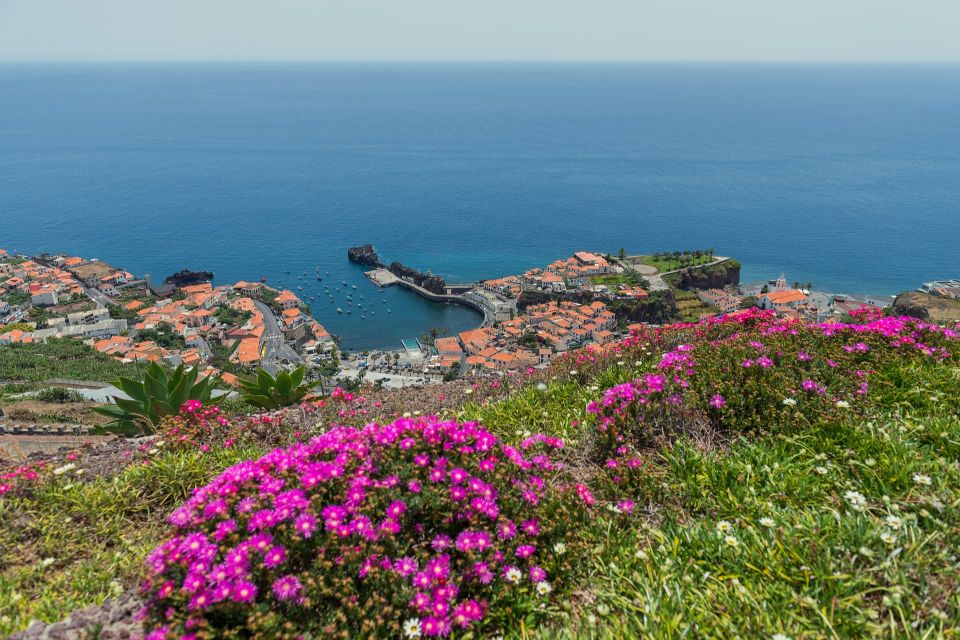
752,371
413,528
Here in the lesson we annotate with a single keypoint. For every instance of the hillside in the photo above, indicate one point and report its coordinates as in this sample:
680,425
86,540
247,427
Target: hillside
921,305
741,477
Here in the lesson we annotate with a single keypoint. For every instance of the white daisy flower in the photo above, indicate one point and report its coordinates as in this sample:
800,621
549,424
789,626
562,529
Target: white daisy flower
767,522
790,402
543,588
412,628
513,575
560,548
723,526
922,479
730,541
856,499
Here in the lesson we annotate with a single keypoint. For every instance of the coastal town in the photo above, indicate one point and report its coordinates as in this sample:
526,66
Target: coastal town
231,330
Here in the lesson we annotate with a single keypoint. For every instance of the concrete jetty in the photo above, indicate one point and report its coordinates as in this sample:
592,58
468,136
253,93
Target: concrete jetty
382,277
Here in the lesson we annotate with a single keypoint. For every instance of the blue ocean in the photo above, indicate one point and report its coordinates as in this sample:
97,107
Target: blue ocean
845,176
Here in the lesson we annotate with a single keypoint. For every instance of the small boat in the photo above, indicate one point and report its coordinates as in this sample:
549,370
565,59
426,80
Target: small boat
388,311
354,286
384,301
348,311
319,278
339,310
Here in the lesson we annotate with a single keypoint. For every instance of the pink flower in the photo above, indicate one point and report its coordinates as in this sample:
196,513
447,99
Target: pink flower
244,592
287,588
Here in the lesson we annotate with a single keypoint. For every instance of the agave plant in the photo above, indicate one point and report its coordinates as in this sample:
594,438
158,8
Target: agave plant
267,392
158,396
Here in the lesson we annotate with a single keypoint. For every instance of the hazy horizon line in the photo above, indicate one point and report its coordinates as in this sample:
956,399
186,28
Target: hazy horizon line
485,61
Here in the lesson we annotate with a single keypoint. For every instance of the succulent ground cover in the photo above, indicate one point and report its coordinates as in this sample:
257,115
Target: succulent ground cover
738,478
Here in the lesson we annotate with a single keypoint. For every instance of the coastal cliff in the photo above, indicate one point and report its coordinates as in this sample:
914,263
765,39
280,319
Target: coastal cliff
659,308
714,276
927,307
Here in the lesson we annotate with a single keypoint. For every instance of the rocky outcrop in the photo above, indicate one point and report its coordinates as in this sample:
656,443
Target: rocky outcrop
365,255
186,278
115,619
927,307
428,281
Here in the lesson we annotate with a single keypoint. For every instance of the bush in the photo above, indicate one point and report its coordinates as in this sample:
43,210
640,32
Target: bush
59,394
753,372
413,528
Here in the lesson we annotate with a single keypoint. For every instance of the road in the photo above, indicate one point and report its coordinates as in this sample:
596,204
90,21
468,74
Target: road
98,297
277,350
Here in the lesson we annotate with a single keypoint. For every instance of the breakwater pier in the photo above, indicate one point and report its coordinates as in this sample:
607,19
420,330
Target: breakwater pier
386,278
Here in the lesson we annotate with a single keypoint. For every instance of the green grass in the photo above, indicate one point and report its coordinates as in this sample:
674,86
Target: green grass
818,568
60,358
70,543
821,568
663,263
615,279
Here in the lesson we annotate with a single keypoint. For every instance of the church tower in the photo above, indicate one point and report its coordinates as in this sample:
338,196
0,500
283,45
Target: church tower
781,284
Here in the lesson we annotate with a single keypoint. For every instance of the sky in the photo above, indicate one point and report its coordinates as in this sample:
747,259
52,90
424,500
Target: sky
481,30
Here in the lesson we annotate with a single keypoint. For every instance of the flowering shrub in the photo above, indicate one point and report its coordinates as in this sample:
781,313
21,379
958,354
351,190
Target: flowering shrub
418,527
202,427
752,371
20,476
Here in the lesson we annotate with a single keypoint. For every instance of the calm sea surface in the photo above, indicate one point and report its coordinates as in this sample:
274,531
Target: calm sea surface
847,176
